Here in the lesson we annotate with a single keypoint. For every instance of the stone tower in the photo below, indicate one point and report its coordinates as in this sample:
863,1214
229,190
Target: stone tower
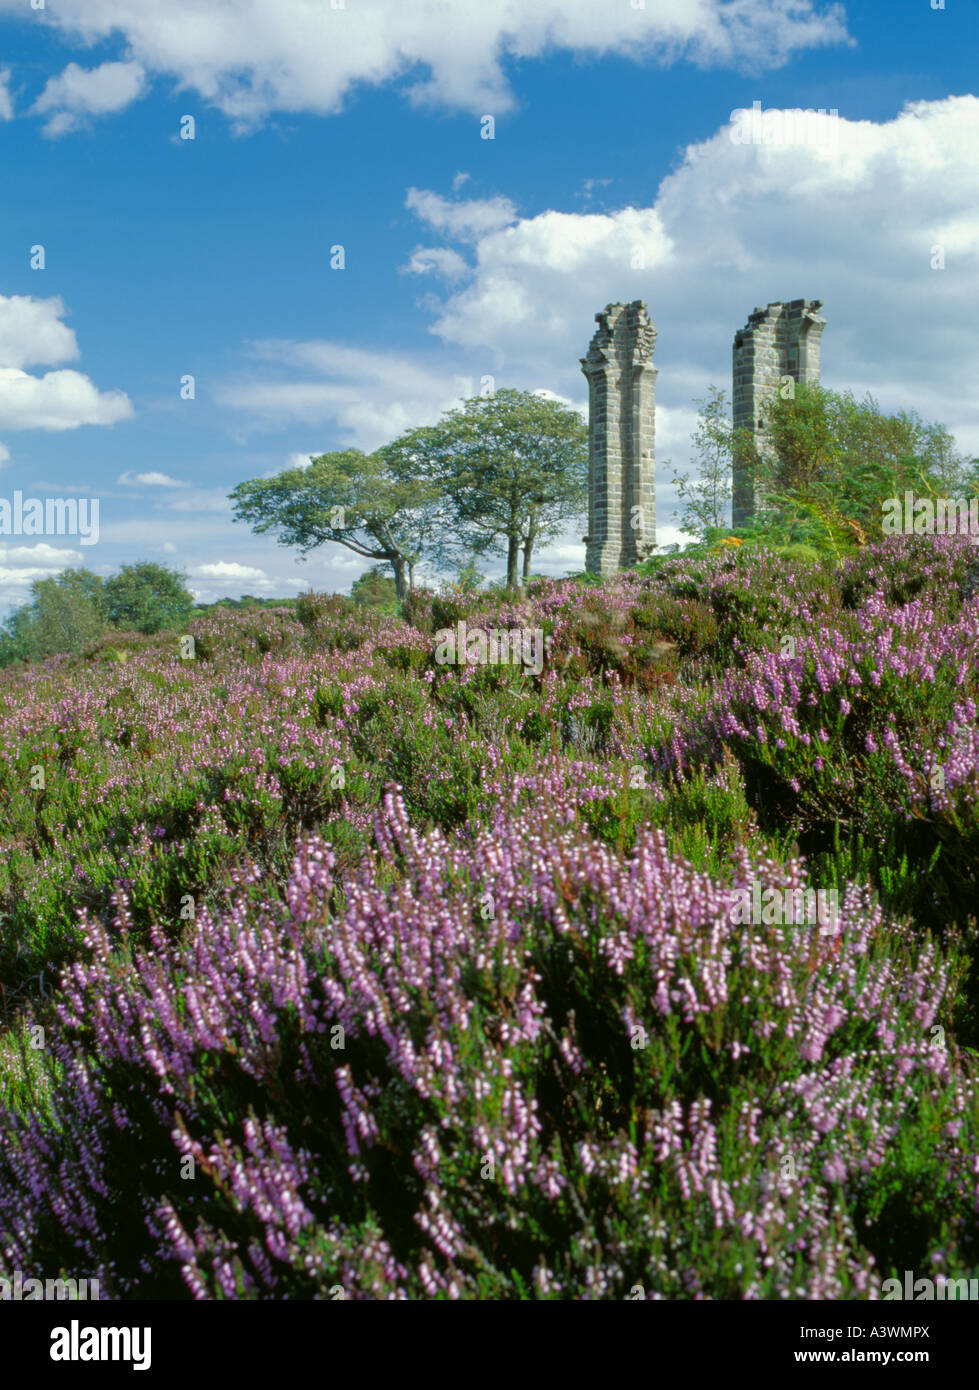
779,340
621,438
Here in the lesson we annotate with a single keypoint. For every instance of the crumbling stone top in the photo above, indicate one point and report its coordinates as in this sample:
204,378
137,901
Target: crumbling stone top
626,328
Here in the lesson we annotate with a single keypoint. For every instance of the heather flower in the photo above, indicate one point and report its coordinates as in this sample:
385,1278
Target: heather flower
496,995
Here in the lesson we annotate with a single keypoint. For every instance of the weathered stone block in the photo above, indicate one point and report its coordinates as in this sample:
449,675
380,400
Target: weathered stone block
622,401
782,339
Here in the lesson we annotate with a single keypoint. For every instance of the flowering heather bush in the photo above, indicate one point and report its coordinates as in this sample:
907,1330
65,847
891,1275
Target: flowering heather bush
159,772
867,724
750,593
528,1068
422,979
901,568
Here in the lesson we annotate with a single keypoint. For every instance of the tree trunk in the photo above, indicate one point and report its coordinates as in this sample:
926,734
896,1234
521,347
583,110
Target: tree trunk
528,544
400,587
512,561
411,574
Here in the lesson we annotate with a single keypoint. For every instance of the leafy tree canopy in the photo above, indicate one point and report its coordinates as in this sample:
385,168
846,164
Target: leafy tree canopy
829,465
64,614
69,610
147,597
353,499
375,589
511,468
835,460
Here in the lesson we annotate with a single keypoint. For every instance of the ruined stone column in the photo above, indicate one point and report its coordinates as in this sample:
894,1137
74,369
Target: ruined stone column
621,438
780,340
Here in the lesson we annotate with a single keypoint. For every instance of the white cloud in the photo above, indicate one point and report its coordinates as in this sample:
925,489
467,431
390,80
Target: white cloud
31,332
734,226
674,426
853,223
38,554
465,220
249,59
57,401
371,396
150,480
20,565
533,279
78,93
672,535
6,101
436,260
459,180
225,569
18,581
4,455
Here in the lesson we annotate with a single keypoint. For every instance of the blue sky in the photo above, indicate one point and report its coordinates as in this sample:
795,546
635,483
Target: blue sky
612,175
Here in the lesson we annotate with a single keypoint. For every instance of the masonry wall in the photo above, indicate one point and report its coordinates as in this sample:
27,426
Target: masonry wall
622,467
783,339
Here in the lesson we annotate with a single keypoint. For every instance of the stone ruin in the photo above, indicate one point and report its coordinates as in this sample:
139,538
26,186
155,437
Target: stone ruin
621,439
781,340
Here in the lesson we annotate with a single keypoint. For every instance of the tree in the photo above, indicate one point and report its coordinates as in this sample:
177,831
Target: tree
374,589
511,467
469,577
148,598
352,499
15,637
836,459
65,613
706,499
